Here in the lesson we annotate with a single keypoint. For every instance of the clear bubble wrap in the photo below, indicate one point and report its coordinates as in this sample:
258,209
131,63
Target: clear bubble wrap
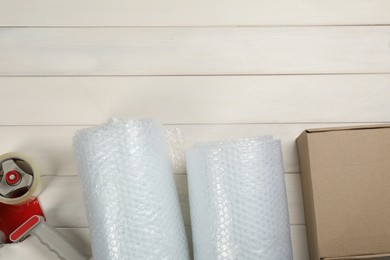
238,200
129,191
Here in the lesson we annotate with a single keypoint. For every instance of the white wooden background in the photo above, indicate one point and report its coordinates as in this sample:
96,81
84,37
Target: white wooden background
218,69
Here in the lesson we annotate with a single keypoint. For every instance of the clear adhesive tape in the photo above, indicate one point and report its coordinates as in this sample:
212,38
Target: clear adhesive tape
33,190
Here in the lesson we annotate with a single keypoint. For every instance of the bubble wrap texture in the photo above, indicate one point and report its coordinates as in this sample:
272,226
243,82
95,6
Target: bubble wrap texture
176,145
238,200
129,190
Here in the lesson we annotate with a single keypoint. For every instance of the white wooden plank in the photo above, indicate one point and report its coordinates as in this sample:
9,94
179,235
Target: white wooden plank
31,248
192,13
189,100
194,51
51,146
299,243
295,199
62,200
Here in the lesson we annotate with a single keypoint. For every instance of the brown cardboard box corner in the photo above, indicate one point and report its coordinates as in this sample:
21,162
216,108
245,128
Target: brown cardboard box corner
345,176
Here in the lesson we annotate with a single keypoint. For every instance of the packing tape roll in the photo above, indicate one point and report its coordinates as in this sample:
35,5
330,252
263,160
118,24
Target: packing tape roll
33,189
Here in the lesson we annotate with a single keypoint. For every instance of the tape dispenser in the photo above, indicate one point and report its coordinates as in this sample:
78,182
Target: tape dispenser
20,212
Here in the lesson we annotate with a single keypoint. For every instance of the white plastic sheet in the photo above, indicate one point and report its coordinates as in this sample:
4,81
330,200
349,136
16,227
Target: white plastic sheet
238,200
130,196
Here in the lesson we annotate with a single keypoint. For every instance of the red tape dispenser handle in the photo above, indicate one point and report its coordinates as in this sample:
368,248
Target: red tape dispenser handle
48,236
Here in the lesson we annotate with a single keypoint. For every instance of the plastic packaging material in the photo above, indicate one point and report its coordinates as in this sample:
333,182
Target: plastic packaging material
131,200
176,145
238,200
2,238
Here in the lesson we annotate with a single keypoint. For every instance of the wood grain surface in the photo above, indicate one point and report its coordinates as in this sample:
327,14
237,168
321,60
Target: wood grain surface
194,51
193,13
215,69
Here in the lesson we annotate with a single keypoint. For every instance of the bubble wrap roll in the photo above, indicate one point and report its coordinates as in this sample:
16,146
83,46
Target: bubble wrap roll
238,200
129,190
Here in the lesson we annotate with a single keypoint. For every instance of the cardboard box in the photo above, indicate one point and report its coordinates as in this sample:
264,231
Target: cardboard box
345,176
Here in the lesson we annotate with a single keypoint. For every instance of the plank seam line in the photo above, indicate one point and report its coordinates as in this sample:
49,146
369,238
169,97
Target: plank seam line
186,225
207,124
194,26
194,75
48,176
